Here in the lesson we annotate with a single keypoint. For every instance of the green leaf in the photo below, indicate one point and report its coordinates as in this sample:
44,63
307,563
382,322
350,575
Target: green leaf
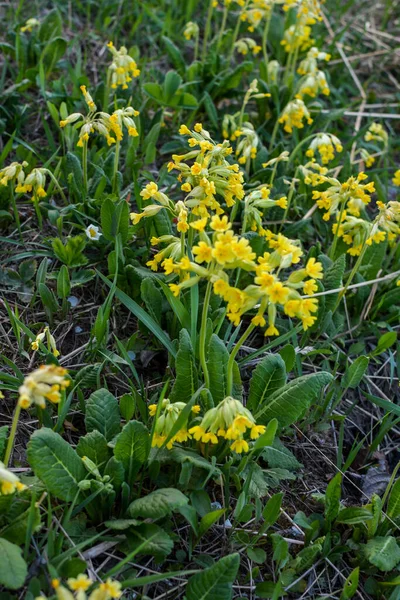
94,446
132,448
214,583
333,279
355,372
158,504
257,555
268,376
288,354
271,511
385,341
183,455
174,54
127,406
3,439
350,585
152,298
267,438
208,521
63,283
114,219
217,362
279,456
306,557
55,463
102,414
152,539
393,507
172,82
332,498
291,401
186,381
13,568
121,524
354,515
142,315
383,552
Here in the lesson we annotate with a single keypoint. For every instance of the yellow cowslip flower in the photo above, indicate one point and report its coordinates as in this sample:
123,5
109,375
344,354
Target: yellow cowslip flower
297,36
396,178
15,173
191,30
325,144
29,25
229,420
122,68
314,269
9,482
246,45
294,114
310,287
377,133
51,343
45,383
80,583
169,413
202,252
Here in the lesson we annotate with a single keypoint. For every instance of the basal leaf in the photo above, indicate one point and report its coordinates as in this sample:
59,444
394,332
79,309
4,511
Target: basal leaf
55,463
383,552
291,401
13,568
132,448
186,382
158,504
268,376
94,446
102,414
215,582
217,362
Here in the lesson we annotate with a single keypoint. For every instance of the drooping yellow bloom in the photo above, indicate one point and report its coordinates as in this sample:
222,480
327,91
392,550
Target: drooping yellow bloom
294,114
45,383
9,482
122,68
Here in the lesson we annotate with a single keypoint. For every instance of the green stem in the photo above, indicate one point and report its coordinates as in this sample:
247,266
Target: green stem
203,332
84,166
207,30
116,164
273,136
351,276
231,361
264,41
10,443
223,24
16,213
57,185
38,213
236,32
336,237
196,47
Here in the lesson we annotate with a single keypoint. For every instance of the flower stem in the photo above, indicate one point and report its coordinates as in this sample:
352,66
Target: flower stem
203,332
351,276
116,164
336,236
236,32
223,24
16,213
10,443
264,41
84,166
231,361
207,30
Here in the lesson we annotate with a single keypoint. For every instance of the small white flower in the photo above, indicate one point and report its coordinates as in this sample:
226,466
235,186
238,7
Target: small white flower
93,232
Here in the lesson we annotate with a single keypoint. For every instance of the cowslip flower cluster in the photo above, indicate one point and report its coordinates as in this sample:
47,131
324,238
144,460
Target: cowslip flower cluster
246,45
78,586
326,144
231,421
34,182
108,126
254,205
215,258
314,81
122,68
29,25
353,194
191,30
170,412
209,183
293,115
377,133
9,482
297,37
51,342
45,383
